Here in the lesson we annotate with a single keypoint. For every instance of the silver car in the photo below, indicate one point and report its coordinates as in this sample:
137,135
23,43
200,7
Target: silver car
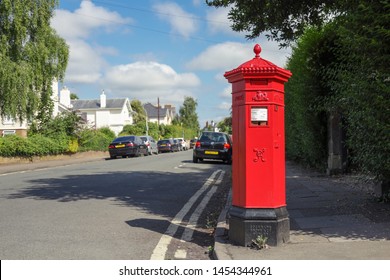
150,143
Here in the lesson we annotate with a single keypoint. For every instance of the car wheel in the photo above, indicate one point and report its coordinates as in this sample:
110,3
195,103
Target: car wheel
194,159
112,157
146,152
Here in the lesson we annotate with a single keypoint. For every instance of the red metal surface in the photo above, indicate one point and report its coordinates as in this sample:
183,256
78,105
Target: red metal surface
258,152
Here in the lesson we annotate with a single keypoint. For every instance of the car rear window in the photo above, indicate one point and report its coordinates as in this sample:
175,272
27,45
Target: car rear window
163,141
213,136
124,138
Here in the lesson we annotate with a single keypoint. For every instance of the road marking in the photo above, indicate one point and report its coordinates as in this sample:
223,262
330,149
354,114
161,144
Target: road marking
189,230
162,247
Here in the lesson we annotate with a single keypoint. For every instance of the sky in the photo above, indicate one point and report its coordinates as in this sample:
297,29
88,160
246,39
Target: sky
156,49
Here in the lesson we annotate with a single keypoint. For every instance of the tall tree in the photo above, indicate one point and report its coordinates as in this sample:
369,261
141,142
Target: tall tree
74,96
31,56
188,115
225,125
285,20
139,116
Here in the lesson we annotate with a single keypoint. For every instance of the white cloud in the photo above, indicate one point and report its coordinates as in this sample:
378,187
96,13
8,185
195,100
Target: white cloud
221,56
85,64
83,21
229,55
218,21
148,80
197,3
181,22
224,105
86,61
227,92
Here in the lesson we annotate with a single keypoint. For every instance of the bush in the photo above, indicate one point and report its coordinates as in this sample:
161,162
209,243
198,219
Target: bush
36,145
47,146
73,146
108,132
94,140
12,145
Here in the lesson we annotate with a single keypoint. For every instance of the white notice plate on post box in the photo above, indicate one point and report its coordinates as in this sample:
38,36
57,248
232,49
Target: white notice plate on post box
259,114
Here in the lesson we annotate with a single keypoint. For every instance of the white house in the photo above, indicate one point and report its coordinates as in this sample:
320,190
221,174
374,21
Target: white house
98,113
160,115
103,112
11,126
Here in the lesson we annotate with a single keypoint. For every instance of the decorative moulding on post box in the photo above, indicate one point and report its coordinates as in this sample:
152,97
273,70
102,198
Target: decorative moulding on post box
257,65
260,96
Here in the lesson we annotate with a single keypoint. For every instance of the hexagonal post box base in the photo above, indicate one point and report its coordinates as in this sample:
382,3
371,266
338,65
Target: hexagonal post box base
247,224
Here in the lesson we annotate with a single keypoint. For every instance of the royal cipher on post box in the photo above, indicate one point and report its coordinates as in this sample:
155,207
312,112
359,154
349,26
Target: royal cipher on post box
259,195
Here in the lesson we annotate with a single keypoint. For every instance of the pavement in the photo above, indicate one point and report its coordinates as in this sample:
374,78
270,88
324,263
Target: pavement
10,165
331,218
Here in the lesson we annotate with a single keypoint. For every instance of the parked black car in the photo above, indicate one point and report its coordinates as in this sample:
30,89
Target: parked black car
130,145
167,145
213,145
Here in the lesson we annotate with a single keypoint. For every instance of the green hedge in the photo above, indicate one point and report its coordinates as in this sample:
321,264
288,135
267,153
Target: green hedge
37,145
60,143
95,140
306,120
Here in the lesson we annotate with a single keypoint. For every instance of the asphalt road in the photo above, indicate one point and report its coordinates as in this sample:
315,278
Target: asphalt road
133,208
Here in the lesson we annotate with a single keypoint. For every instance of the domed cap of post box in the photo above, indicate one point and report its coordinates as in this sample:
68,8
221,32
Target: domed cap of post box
258,66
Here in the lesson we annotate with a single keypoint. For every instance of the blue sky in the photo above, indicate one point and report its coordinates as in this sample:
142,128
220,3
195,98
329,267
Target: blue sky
149,49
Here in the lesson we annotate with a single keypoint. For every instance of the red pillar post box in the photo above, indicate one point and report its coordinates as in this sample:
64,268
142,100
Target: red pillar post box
259,195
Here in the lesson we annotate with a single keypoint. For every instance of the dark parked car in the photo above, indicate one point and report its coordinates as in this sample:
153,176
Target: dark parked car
167,145
127,146
213,145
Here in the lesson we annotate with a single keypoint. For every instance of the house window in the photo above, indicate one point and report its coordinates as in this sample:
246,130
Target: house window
8,120
8,132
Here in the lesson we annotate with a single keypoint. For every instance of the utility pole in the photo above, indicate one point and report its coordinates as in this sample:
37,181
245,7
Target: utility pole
158,111
146,120
158,116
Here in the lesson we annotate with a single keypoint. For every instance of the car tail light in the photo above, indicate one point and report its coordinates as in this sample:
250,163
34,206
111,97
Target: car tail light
169,145
111,147
129,145
197,145
226,146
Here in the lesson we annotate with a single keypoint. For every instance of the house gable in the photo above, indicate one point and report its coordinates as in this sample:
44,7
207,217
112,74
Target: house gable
115,114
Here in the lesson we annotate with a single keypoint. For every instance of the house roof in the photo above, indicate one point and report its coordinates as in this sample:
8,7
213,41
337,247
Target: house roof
154,112
95,104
